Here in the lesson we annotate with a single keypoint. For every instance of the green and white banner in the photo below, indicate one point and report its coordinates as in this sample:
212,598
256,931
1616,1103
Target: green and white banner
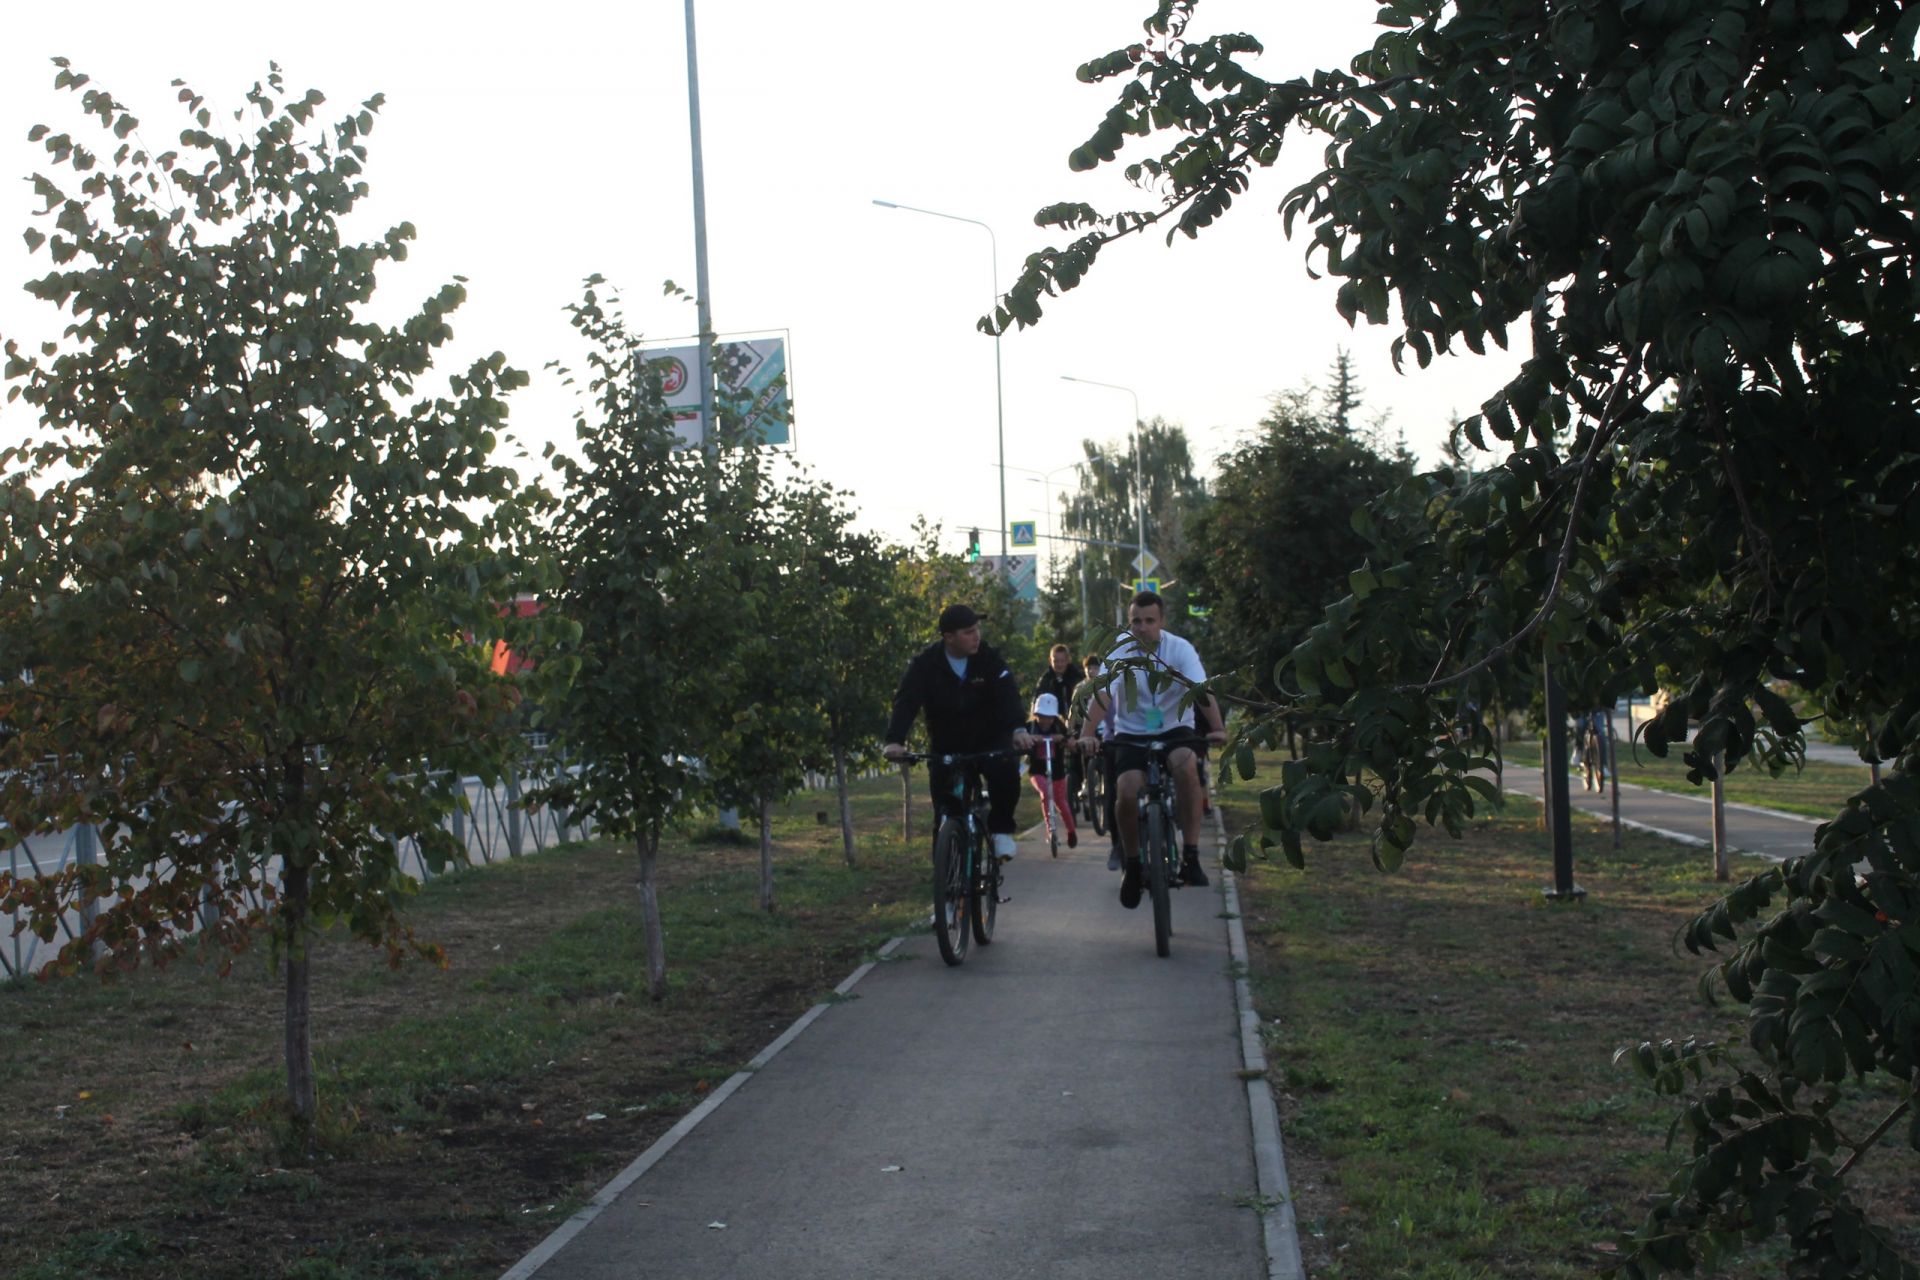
751,373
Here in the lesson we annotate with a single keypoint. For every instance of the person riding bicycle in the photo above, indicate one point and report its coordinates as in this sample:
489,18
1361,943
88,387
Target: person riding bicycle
1102,726
1047,763
1142,715
972,704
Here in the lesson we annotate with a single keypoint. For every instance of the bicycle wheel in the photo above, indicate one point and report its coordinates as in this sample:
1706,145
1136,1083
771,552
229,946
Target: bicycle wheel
983,904
950,893
1053,832
1159,877
1096,790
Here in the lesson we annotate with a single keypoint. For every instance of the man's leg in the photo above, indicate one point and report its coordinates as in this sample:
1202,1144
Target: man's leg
1002,777
1185,767
940,788
1126,810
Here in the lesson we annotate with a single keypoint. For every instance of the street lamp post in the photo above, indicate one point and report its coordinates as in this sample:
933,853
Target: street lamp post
1139,489
999,404
703,306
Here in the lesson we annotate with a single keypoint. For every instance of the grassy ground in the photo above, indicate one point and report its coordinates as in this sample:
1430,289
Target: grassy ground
1440,1041
1816,791
466,1111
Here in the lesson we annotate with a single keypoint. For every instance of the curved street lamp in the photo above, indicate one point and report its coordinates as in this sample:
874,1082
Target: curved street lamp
999,408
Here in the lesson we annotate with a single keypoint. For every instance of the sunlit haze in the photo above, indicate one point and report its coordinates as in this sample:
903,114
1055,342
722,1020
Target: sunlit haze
534,145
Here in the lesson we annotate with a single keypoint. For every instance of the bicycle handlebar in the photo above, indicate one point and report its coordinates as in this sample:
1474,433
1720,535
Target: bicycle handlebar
952,758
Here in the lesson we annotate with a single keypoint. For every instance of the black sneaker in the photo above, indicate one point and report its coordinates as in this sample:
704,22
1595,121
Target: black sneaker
1191,872
1130,885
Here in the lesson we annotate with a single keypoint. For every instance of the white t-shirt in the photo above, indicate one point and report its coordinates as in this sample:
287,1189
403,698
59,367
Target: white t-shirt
1136,710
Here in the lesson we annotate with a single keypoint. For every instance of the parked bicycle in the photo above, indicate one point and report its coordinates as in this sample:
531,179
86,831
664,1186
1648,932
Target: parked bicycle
966,877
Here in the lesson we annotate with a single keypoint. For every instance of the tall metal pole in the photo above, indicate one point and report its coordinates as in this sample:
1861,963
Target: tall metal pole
1560,804
1139,488
703,307
999,401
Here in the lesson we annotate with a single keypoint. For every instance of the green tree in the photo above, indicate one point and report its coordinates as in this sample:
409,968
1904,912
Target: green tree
644,603
862,633
253,569
1103,507
1715,201
1342,396
768,658
1273,547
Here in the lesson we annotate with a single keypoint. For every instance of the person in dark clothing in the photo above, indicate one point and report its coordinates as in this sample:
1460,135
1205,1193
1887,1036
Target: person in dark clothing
972,703
1062,676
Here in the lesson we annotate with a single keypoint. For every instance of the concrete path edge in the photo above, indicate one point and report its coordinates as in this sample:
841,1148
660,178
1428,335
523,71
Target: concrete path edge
573,1226
1278,1223
1279,1226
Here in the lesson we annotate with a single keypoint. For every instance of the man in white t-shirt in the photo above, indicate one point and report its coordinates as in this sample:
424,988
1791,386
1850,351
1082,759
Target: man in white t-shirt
1142,714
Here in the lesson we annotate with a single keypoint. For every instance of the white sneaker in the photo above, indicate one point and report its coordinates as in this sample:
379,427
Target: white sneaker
1002,846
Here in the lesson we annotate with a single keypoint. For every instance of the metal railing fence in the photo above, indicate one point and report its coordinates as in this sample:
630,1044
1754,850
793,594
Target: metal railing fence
494,823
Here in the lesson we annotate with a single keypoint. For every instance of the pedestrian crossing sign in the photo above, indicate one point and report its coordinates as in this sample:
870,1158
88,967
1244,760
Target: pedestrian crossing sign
1022,533
1146,584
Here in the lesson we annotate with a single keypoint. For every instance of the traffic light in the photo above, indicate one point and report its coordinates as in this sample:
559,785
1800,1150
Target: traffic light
973,544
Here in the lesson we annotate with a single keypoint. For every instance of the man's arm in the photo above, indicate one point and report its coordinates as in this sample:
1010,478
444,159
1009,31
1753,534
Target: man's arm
1007,695
1097,705
907,700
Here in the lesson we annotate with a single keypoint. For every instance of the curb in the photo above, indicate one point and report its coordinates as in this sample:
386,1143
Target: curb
1278,1225
544,1252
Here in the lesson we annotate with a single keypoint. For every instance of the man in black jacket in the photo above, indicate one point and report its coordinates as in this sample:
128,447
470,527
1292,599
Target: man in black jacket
972,703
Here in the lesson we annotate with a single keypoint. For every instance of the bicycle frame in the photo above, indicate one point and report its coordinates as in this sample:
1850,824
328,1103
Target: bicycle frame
966,892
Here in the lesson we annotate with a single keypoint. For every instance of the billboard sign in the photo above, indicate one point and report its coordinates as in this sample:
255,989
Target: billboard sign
752,372
1021,573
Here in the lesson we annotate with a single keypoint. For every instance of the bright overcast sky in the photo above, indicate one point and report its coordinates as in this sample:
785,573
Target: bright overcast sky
532,145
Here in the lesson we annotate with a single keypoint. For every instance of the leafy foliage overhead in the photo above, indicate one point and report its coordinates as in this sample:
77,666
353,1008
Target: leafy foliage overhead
1702,214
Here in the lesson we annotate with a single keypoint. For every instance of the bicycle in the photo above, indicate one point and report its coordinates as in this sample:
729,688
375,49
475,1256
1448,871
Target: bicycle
1159,838
966,879
1093,793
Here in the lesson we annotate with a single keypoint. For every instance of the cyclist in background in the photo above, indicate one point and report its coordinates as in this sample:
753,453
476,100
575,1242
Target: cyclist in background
1103,730
1047,768
972,704
1142,715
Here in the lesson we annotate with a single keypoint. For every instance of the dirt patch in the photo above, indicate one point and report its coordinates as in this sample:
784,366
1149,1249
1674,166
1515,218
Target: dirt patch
466,1111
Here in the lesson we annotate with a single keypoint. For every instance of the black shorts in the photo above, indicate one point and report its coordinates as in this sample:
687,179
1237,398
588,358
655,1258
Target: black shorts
1130,754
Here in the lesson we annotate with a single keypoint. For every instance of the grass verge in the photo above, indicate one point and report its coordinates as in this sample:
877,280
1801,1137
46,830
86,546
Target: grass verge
465,1111
1440,1043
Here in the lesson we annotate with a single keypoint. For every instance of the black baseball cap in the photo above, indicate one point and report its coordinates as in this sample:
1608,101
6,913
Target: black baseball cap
958,617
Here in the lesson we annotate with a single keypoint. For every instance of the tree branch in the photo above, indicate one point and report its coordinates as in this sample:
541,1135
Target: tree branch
1603,433
1879,1132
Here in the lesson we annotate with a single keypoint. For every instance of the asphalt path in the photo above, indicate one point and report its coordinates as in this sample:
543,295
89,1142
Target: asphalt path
1065,1104
1687,818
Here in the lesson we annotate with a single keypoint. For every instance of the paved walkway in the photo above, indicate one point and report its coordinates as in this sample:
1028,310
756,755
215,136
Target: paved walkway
1750,829
1063,1105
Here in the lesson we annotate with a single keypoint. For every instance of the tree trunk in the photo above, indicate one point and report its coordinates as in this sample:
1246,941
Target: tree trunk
846,804
294,910
766,852
648,845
